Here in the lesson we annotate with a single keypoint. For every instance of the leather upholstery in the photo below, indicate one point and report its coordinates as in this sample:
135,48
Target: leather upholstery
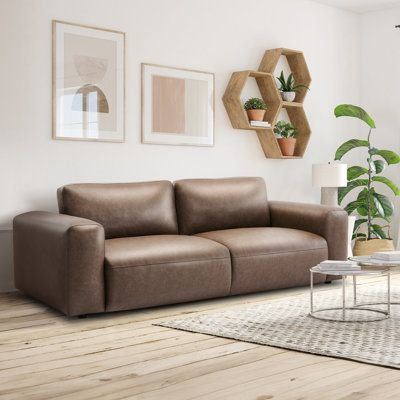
124,209
270,258
58,259
243,244
212,204
328,222
164,269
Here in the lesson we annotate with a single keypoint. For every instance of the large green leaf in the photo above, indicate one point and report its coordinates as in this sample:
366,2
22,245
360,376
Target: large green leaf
387,219
349,145
359,235
355,172
379,166
358,223
349,110
378,231
388,183
383,205
362,209
343,191
352,206
358,205
289,81
364,198
389,156
371,165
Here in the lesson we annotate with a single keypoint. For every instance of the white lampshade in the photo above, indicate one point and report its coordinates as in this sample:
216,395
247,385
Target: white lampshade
329,175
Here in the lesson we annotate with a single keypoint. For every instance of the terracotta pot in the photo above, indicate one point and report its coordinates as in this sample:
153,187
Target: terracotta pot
287,146
256,115
367,247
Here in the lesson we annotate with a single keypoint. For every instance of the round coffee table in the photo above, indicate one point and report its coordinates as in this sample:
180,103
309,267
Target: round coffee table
369,262
372,314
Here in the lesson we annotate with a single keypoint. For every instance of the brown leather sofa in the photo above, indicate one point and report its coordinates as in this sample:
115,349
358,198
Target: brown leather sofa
135,245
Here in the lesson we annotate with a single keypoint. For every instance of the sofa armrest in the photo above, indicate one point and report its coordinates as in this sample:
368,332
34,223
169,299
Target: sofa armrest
59,259
328,222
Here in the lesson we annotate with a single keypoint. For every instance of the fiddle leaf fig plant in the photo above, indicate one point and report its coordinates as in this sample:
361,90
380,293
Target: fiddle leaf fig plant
374,209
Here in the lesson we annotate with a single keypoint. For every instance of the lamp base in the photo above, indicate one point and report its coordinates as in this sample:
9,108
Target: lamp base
329,196
352,221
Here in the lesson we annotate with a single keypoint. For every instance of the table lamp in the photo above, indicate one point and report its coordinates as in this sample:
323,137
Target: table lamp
329,177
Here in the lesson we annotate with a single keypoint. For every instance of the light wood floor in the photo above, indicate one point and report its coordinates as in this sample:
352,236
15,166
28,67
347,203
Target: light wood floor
44,355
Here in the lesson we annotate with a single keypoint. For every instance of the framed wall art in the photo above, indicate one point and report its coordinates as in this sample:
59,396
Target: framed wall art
88,83
177,106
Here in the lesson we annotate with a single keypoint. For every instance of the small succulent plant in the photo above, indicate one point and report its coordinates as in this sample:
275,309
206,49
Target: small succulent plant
289,85
285,129
255,103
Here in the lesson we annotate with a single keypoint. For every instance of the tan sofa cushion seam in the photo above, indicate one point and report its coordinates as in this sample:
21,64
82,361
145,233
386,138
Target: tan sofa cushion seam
281,252
169,262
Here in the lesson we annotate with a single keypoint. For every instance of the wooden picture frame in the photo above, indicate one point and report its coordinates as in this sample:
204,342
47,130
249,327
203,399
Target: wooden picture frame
88,83
177,106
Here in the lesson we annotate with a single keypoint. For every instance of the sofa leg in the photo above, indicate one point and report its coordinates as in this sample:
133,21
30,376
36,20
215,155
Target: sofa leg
82,316
326,282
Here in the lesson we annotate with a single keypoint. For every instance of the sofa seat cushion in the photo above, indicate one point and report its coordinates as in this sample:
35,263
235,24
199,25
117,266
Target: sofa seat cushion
164,269
270,258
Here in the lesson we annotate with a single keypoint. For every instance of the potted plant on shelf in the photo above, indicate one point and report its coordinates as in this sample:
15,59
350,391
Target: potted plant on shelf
255,108
287,137
374,210
288,88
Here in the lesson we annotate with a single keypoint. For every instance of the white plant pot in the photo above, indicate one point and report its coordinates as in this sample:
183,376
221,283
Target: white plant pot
288,96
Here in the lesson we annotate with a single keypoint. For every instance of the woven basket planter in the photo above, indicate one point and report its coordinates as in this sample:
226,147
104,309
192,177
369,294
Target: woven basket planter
367,247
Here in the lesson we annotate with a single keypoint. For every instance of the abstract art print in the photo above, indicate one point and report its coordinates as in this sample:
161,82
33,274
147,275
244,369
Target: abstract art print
88,83
177,106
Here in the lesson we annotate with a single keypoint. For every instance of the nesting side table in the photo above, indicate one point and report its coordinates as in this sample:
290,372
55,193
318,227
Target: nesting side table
372,314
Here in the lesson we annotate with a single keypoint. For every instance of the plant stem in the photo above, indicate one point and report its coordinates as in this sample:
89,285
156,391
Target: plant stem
369,223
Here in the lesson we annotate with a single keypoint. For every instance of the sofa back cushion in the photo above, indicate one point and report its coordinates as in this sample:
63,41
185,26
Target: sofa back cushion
213,204
124,209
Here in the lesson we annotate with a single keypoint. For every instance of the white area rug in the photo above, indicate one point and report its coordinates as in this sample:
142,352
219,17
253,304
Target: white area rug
286,324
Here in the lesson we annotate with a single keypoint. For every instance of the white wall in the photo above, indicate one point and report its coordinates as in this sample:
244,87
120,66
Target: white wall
380,85
219,36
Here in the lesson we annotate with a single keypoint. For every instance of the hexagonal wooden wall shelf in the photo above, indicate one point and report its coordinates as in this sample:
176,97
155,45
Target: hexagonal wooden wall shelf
233,104
269,92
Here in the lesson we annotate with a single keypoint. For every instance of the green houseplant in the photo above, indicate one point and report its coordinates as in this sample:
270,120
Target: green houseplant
286,133
288,88
255,108
374,210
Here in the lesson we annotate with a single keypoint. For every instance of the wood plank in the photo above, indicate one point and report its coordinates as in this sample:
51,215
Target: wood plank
64,325
122,355
86,378
289,104
161,380
251,381
84,346
269,143
108,365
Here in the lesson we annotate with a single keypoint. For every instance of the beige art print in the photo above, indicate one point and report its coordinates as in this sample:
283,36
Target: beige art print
88,83
177,106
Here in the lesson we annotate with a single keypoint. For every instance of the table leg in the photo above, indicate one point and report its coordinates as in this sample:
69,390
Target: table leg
388,293
354,290
311,292
344,297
